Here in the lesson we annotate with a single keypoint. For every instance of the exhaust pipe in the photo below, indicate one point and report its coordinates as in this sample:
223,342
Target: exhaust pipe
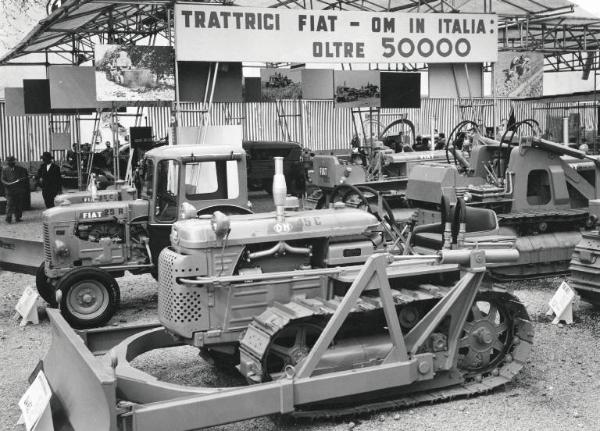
279,189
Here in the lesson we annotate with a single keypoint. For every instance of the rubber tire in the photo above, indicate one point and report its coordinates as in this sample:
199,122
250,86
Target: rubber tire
44,288
82,274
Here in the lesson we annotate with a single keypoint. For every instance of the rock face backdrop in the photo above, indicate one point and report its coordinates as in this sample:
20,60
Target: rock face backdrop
17,18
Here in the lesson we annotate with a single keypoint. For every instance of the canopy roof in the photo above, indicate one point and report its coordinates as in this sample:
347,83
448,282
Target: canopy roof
556,27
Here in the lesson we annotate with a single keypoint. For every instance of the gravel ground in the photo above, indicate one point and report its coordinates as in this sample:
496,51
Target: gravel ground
558,389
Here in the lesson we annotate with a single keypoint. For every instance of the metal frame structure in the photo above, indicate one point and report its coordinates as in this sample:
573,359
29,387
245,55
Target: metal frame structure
68,35
121,397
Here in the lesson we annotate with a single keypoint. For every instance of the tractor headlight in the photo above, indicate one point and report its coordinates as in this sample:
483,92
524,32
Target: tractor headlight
60,249
61,201
187,211
174,237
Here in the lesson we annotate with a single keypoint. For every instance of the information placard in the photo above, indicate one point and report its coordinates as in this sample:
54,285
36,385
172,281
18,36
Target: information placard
561,304
218,33
35,401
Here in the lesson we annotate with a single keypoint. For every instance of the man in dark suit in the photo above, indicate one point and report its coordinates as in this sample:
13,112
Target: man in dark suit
14,178
49,177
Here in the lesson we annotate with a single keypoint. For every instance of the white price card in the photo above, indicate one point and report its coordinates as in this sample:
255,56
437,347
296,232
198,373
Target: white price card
562,304
26,301
35,401
562,298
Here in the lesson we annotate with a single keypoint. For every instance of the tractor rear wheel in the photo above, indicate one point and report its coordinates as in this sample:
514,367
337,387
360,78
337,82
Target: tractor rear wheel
90,297
44,287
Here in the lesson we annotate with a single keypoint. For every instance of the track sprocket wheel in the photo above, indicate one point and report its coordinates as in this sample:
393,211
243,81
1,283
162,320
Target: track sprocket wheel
487,335
290,346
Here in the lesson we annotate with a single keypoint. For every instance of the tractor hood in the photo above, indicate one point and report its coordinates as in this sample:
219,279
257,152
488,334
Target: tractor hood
96,211
109,195
256,228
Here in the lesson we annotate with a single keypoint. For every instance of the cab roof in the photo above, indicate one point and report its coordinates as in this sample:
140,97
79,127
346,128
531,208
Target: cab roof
181,151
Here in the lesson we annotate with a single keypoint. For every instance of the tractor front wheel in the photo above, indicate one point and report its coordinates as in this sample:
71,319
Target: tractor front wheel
90,297
44,287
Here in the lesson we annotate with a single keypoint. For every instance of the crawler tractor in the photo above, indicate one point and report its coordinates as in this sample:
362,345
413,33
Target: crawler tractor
87,245
585,263
540,191
323,319
370,169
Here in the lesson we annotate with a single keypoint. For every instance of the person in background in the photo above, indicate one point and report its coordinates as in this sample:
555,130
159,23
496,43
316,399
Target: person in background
14,179
49,177
107,154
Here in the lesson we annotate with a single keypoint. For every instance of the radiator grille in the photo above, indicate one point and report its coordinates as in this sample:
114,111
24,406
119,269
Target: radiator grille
47,249
177,303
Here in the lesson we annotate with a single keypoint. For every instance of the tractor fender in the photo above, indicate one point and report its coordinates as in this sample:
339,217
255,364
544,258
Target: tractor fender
226,209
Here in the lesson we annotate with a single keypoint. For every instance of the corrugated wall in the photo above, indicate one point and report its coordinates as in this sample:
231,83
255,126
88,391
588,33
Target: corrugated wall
320,126
27,136
316,124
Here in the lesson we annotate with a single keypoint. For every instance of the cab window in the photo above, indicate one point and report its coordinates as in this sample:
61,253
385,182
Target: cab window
538,187
145,179
167,186
212,180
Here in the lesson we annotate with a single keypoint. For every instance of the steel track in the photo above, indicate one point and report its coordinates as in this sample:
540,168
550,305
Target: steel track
462,384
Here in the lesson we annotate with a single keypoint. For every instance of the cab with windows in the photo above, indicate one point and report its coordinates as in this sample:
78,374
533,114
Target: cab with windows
187,181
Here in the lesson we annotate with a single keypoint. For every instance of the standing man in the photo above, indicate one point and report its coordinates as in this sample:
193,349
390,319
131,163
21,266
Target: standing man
107,154
14,180
49,177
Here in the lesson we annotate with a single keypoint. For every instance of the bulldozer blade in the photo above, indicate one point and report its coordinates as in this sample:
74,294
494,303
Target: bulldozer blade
21,255
83,387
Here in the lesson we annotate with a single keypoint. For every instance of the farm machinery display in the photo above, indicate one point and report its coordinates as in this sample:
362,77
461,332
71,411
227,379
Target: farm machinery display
323,319
87,245
540,191
371,168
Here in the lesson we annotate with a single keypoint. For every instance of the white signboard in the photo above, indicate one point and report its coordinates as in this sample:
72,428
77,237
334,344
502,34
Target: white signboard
27,306
561,304
217,33
35,401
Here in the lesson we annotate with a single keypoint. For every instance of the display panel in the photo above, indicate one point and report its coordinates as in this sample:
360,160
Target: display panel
252,91
519,74
356,88
36,96
451,81
317,84
72,87
193,77
133,73
14,101
400,90
277,84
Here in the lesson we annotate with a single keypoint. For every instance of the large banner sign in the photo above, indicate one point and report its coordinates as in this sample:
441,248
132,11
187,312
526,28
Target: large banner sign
218,33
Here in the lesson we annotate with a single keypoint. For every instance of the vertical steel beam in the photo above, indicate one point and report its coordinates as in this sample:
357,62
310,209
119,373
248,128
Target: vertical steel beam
374,270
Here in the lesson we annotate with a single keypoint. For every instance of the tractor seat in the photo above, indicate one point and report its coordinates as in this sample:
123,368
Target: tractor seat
479,222
432,240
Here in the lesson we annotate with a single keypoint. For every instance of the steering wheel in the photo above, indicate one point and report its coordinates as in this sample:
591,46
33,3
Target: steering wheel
451,139
346,191
409,123
168,199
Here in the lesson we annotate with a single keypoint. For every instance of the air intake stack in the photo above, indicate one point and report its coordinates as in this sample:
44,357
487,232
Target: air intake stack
279,189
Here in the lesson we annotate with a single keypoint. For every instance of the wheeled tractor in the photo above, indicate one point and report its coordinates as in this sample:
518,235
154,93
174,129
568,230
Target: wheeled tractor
88,245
